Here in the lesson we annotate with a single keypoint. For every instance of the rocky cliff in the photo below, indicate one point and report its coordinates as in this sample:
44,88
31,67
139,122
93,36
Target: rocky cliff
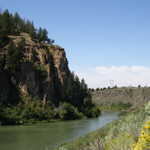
42,72
35,81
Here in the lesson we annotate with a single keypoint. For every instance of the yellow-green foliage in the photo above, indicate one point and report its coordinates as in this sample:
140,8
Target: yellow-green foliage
144,138
121,142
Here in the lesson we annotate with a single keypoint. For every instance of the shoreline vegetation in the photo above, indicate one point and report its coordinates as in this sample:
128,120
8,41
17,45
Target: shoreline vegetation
123,134
34,113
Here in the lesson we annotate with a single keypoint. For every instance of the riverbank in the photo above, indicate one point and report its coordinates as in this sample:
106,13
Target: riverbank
34,112
120,134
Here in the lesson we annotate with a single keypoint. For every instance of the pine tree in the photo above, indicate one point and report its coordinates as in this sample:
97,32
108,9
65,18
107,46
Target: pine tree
42,35
14,56
14,24
18,23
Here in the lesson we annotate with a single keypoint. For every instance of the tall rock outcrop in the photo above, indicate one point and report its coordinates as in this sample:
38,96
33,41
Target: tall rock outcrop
42,73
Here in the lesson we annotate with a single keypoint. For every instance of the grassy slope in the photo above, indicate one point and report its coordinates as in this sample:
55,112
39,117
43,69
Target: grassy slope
110,98
118,135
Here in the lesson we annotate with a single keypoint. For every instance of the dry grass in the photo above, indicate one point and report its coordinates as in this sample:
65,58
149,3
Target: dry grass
118,135
134,96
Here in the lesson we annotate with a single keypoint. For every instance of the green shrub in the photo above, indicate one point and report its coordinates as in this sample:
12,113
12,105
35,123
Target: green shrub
35,110
10,116
91,112
115,106
69,112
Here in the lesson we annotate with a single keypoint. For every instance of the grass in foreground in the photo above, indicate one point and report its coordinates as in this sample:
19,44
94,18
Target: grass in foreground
118,135
144,138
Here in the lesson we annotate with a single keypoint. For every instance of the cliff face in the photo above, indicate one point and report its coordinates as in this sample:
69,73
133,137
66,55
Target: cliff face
42,74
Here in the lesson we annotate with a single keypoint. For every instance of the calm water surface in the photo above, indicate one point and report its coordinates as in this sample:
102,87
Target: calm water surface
48,136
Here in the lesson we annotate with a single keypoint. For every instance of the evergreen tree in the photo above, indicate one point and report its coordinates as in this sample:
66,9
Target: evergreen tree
14,24
14,56
29,28
75,90
18,23
42,35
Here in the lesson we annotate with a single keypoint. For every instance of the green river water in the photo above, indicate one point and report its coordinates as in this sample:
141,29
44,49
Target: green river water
48,136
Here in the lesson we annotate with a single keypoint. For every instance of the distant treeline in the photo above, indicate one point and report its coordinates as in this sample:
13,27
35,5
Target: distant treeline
105,88
101,89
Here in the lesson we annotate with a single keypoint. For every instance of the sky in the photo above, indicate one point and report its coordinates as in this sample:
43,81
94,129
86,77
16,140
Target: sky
107,42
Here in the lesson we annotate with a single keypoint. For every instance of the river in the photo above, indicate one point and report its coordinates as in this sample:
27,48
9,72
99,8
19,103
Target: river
48,136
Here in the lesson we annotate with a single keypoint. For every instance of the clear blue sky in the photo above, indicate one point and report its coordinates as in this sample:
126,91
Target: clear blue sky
93,32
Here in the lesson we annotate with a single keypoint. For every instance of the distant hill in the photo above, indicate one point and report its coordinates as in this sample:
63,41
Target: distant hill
126,95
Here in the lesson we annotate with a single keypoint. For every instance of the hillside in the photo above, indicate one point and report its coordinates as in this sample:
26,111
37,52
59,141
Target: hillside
125,96
36,82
